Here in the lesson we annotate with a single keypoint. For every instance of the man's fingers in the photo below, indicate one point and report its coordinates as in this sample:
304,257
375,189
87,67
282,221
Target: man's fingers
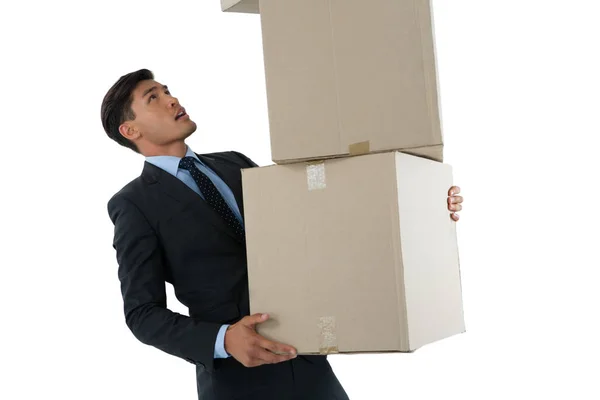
453,191
455,199
262,350
278,348
260,353
454,216
455,207
266,357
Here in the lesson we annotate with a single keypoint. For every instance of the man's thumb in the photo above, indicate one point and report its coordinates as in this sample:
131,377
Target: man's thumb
257,319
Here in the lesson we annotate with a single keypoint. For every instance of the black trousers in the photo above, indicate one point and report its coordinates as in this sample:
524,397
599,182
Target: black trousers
303,378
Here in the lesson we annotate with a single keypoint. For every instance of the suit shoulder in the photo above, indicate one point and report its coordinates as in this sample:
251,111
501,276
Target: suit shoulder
129,192
233,156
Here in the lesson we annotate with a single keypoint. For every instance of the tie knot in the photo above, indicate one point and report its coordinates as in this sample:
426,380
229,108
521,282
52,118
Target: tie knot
186,163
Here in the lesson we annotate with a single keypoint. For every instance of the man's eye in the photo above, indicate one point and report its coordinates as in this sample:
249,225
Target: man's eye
152,96
167,92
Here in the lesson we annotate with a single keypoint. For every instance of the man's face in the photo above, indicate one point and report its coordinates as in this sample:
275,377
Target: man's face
159,118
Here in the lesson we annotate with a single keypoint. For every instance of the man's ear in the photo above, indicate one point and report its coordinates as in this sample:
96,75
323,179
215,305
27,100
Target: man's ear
128,131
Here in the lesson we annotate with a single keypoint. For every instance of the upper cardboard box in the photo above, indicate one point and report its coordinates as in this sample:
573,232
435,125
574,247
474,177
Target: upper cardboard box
240,6
355,254
350,76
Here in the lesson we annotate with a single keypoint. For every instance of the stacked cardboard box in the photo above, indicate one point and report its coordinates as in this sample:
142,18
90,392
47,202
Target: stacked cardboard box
350,244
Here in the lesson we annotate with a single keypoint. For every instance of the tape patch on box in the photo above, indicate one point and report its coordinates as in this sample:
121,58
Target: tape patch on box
328,338
356,149
315,175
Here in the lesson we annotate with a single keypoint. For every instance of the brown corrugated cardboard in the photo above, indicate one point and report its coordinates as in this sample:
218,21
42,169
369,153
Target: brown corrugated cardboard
345,72
240,6
354,254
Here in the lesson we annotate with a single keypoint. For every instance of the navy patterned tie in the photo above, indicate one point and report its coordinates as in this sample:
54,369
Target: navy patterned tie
211,195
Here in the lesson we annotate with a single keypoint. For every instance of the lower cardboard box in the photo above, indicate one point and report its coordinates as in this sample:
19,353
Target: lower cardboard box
353,255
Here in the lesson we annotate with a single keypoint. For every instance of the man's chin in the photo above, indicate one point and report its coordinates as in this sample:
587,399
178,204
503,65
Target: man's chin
191,129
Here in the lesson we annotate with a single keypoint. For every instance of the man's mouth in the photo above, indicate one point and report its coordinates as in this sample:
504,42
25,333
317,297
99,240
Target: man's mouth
180,114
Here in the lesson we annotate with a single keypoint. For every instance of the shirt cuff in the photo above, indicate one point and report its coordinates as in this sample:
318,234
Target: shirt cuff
220,343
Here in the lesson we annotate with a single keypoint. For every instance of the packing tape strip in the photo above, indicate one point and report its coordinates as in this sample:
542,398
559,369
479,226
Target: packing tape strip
356,149
315,176
328,340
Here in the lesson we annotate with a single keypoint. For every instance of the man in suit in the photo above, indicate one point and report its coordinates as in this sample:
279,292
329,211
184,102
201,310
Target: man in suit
182,222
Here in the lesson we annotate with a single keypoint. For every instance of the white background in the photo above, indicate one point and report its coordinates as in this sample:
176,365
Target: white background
519,82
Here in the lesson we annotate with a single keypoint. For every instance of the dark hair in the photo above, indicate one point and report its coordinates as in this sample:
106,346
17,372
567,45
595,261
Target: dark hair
116,106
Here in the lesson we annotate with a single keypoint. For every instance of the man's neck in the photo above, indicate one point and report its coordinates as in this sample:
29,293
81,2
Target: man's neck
178,149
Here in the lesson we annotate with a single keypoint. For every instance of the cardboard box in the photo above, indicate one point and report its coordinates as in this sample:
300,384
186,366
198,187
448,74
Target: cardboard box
240,6
349,77
354,254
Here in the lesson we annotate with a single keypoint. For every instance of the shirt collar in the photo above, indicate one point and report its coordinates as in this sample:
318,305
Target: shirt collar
170,164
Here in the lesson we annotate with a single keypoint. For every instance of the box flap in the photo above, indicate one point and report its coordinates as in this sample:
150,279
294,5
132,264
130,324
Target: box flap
240,6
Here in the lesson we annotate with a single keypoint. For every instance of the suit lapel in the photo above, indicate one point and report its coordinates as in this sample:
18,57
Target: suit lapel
180,192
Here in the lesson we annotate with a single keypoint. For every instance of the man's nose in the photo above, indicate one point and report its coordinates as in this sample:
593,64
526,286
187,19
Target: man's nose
173,102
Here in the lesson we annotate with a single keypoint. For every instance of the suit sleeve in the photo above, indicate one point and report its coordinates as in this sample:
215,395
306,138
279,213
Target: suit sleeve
142,276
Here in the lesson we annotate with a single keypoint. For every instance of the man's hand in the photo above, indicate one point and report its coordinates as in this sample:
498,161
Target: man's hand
251,349
454,202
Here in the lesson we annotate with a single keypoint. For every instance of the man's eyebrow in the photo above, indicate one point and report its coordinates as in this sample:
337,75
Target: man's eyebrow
152,89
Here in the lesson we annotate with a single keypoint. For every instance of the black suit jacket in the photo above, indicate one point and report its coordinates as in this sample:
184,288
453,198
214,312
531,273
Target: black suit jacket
165,232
